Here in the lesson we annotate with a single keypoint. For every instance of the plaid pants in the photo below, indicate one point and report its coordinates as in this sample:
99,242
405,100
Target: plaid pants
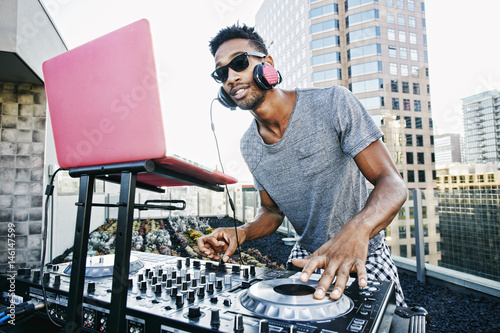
379,266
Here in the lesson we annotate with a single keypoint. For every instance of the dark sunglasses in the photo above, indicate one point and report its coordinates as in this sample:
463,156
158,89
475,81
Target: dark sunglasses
239,63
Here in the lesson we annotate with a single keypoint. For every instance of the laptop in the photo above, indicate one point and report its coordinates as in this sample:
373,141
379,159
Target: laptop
104,106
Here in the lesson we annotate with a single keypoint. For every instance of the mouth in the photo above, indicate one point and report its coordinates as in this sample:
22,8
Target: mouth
239,92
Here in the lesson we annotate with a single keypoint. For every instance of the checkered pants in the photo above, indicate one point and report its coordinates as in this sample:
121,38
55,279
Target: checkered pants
379,266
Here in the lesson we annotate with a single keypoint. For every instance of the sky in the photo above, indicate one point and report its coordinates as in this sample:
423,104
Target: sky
463,53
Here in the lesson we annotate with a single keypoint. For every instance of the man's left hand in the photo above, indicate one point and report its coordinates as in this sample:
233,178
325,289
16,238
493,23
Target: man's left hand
341,255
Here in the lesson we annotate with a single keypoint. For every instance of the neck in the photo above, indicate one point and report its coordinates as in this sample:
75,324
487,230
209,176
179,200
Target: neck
273,114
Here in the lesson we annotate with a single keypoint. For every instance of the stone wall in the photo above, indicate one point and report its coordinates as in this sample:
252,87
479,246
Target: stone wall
22,139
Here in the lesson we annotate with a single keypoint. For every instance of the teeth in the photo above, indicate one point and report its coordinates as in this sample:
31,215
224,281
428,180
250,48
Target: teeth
239,91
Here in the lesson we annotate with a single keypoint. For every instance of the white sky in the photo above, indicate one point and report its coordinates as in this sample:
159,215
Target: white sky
463,52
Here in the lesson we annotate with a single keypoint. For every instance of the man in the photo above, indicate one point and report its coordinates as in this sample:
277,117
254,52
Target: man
309,151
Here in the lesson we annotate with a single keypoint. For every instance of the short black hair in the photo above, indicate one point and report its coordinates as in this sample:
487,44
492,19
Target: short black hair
236,32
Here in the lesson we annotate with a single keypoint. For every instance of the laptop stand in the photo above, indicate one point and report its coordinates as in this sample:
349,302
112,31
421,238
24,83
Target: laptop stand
126,173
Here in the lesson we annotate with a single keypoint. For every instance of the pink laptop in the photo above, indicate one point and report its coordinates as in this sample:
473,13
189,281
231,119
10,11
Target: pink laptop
104,106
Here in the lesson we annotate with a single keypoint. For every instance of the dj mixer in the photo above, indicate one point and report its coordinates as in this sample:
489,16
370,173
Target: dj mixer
167,294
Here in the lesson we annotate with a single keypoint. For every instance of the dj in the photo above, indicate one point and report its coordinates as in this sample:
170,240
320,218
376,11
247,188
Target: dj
309,151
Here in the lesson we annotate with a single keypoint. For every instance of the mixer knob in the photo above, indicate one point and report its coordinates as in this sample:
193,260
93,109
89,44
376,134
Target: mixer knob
179,263
208,266
191,295
150,275
227,279
194,312
183,272
144,285
218,284
252,270
201,291
174,275
57,280
188,277
36,276
227,302
210,287
179,300
158,289
263,326
203,279
211,277
164,277
196,275
293,329
169,283
178,280
140,277
160,271
184,286
46,278
187,262
238,323
154,280
194,283
214,318
173,292
214,299
196,264
235,269
245,272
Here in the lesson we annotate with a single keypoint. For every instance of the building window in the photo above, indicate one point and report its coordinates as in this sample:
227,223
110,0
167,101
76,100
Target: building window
431,125
409,157
402,232
324,10
417,105
420,158
372,102
406,104
400,4
330,74
409,140
413,55
416,88
365,68
408,122
402,36
420,140
324,26
368,85
403,251
411,5
431,138
491,178
325,42
428,89
393,68
418,122
390,18
414,71
362,17
421,176
429,106
402,214
394,85
389,3
403,53
327,58
404,70
406,87
480,178
363,34
401,20
391,34
413,38
412,22
392,51
411,176
364,51
395,103
356,3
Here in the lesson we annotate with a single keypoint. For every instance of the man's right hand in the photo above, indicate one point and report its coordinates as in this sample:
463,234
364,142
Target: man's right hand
220,240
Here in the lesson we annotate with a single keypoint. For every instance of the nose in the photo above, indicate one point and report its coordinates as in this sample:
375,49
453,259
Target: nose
232,76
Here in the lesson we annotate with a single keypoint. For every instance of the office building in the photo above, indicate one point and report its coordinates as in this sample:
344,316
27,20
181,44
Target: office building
468,209
448,148
378,50
482,137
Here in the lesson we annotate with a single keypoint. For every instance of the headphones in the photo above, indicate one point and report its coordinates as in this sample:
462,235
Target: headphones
265,76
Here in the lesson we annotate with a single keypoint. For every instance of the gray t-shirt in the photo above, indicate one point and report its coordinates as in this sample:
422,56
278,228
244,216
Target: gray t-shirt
310,172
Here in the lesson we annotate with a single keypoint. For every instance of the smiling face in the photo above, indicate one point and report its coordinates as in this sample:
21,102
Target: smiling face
240,85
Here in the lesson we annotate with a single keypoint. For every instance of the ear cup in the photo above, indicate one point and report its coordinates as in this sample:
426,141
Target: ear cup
225,99
266,76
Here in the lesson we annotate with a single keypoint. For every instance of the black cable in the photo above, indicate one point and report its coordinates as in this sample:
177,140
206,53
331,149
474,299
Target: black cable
49,191
225,185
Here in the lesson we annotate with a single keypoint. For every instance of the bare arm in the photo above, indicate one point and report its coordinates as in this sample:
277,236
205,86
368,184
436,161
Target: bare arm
347,251
268,219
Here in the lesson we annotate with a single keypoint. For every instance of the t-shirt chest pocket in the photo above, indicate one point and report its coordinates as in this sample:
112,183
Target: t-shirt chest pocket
312,156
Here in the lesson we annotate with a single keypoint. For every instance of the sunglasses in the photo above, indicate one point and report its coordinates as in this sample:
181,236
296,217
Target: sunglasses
238,64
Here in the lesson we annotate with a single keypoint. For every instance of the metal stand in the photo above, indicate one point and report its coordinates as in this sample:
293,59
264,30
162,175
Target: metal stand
128,184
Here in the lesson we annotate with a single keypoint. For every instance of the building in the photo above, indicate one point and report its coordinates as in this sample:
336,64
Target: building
481,117
448,148
469,214
378,50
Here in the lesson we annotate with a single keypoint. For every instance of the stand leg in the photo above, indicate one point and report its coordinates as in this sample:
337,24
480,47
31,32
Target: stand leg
117,322
74,319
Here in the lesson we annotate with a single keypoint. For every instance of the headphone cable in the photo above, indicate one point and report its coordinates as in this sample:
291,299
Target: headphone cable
225,185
